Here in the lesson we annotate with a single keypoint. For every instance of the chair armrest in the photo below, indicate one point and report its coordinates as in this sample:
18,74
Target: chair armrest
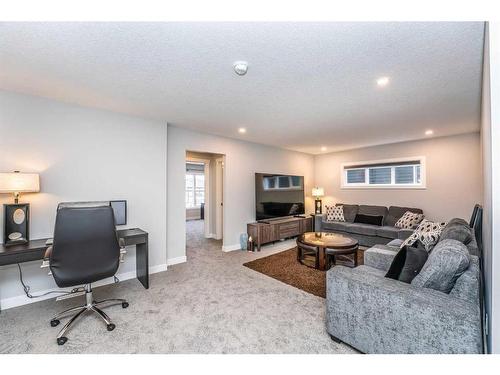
46,258
379,257
47,253
121,242
380,315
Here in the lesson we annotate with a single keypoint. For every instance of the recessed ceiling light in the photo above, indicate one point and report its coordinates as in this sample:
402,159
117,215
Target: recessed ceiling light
429,132
323,148
242,130
382,81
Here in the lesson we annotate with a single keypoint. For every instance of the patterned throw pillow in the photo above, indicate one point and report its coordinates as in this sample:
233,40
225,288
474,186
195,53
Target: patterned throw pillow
427,233
409,220
335,213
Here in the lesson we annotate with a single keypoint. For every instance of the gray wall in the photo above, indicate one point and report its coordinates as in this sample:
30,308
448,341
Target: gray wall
82,154
454,182
486,167
242,160
211,197
490,134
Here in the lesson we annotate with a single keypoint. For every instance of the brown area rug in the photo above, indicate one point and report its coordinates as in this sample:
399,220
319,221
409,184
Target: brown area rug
284,267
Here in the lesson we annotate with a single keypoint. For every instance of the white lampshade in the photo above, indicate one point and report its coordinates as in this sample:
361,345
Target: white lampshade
16,182
318,192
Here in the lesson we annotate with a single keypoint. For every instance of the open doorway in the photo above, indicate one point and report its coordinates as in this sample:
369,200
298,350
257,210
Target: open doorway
204,197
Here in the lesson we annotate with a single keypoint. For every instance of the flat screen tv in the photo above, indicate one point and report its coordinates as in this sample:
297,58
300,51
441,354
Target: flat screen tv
278,195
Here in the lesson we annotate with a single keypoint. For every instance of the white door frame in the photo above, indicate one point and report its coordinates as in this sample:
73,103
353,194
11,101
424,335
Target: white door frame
206,171
219,198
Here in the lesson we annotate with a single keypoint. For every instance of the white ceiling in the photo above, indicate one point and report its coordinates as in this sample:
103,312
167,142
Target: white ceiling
308,84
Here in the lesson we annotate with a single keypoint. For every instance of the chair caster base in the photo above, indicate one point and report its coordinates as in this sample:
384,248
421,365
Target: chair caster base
125,305
62,340
110,327
54,323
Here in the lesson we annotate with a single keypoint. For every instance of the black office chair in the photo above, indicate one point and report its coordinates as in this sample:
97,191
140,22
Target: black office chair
85,250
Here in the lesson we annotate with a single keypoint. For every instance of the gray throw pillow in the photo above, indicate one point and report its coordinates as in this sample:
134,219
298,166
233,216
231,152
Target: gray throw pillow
448,260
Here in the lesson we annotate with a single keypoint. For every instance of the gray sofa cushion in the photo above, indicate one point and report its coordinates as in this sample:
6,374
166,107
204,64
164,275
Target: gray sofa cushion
373,210
350,211
387,232
395,213
448,260
403,234
380,257
379,315
457,229
467,285
336,225
365,229
396,243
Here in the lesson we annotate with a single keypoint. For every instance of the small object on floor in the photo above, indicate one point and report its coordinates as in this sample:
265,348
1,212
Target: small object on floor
250,245
243,241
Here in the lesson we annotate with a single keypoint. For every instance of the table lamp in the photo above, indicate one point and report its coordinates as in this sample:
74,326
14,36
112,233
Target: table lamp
16,216
317,192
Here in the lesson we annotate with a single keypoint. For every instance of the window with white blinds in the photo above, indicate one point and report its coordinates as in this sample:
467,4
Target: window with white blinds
399,173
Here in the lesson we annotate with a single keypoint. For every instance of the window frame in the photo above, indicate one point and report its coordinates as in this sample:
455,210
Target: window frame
366,165
196,205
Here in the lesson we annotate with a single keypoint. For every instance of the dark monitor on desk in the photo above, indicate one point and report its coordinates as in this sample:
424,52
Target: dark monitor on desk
120,211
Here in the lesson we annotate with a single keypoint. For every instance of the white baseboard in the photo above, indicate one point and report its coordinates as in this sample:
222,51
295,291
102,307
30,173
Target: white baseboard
227,248
20,300
211,235
172,261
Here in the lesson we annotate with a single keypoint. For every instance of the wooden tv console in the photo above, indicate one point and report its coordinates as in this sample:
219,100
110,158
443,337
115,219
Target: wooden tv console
272,230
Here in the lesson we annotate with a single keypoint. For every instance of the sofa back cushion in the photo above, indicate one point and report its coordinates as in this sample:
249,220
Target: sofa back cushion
457,229
467,286
446,263
396,212
350,211
373,210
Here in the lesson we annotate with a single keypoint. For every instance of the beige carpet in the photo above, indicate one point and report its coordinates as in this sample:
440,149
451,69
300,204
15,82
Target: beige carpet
211,304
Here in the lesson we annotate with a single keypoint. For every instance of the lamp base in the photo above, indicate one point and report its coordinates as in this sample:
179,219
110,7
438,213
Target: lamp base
16,224
318,207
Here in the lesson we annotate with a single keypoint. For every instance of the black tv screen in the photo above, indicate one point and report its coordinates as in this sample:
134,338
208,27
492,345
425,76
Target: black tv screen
278,195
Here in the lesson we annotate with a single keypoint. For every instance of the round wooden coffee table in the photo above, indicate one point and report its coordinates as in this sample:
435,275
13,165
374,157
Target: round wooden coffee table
333,243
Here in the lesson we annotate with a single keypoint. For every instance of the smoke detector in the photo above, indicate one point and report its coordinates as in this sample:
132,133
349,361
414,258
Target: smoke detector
240,67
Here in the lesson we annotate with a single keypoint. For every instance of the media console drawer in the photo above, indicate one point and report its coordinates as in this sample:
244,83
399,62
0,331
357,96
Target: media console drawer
289,229
275,230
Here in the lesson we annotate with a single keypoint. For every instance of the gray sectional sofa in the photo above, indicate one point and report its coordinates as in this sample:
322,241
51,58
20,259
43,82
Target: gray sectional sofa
367,234
375,314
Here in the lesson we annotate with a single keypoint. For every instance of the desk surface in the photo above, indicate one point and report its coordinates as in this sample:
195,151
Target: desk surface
35,249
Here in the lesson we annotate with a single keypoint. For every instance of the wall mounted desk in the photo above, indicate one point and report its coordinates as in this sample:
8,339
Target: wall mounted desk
35,250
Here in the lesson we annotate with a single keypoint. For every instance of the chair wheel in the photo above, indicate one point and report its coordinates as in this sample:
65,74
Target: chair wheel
62,340
111,327
124,305
54,323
